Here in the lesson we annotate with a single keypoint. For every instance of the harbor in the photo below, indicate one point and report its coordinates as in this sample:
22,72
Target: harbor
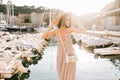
16,49
24,55
27,48
89,66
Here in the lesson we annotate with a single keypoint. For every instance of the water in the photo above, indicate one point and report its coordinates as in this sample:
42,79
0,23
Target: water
88,67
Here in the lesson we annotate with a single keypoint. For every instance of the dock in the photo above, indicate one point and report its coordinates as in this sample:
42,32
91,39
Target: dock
16,49
91,41
107,51
103,43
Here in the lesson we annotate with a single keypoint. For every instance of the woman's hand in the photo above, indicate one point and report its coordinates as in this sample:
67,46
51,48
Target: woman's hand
52,24
47,33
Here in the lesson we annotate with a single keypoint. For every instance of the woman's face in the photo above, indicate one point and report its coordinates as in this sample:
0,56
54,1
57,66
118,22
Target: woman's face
67,22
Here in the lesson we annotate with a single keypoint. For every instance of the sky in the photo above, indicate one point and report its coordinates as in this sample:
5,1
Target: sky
75,6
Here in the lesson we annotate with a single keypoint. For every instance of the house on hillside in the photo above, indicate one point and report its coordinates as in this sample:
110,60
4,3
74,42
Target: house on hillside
25,20
3,17
109,17
43,19
36,18
1,1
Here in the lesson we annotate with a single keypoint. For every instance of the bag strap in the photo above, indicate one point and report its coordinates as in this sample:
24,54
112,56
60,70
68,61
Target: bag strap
62,43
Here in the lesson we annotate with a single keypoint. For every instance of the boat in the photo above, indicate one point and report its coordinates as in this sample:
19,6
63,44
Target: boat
3,25
17,28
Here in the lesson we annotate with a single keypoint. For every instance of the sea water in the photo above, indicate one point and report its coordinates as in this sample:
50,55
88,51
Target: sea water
89,66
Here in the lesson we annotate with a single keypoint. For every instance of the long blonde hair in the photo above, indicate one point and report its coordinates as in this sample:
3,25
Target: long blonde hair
62,20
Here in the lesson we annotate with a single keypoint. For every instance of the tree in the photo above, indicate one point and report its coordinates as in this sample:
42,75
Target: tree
3,8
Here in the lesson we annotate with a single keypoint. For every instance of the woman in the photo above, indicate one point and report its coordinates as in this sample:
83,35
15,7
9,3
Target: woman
66,71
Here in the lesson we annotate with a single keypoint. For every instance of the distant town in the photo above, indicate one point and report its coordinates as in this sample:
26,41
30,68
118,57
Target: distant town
30,17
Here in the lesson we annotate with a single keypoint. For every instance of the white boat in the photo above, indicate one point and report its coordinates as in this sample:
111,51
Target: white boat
16,28
3,25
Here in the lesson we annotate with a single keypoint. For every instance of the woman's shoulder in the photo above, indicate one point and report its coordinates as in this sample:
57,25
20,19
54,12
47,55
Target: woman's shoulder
71,29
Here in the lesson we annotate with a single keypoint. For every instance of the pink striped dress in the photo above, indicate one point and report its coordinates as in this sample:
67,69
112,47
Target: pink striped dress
66,71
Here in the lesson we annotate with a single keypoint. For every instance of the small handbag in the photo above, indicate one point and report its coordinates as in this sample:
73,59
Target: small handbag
69,58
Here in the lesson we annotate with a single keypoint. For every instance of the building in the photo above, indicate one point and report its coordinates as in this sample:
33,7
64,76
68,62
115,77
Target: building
43,19
37,19
2,17
1,1
109,17
3,22
25,20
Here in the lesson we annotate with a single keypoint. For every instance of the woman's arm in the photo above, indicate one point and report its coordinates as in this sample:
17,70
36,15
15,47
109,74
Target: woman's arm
80,30
48,33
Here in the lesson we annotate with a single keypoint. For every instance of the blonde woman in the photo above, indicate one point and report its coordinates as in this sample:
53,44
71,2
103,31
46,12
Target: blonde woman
66,71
